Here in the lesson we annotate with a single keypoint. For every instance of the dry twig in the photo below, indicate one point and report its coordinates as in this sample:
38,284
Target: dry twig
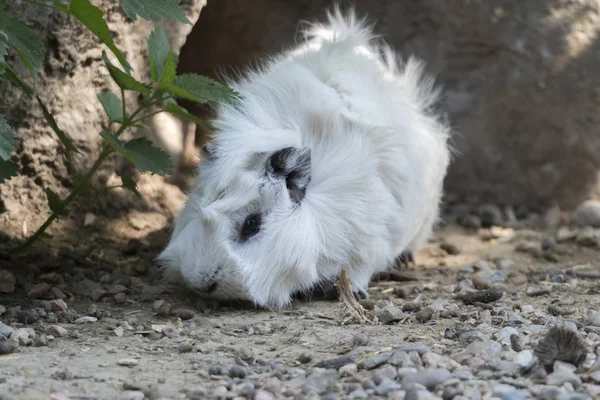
353,309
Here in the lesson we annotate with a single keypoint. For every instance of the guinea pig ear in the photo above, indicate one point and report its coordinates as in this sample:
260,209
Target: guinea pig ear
293,164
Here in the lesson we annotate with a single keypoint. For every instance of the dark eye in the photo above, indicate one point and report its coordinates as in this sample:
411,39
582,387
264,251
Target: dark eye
250,227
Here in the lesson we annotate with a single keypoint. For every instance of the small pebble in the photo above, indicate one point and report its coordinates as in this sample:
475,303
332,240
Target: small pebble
480,284
319,382
38,290
118,331
237,371
548,243
8,346
375,361
450,248
427,377
304,358
386,386
245,356
58,305
483,296
401,359
587,214
515,342
361,339
185,347
424,315
389,314
504,334
184,313
218,370
490,348
85,320
273,385
40,340
161,307
5,331
120,298
387,372
23,336
132,395
348,370
56,331
128,362
263,395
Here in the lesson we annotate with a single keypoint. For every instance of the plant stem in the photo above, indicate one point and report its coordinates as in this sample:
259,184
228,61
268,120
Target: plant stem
147,116
123,104
131,120
106,151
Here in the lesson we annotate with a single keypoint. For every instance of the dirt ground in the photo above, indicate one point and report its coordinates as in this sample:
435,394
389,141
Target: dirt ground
167,340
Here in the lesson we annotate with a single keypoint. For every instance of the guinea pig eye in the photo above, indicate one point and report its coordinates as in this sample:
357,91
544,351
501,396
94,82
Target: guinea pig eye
250,227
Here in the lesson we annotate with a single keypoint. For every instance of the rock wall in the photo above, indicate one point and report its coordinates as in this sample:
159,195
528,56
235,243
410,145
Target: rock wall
71,76
521,85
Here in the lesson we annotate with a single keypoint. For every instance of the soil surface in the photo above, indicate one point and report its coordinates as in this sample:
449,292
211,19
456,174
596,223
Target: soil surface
91,319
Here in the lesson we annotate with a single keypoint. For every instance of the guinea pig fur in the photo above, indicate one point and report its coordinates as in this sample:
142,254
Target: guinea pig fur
331,158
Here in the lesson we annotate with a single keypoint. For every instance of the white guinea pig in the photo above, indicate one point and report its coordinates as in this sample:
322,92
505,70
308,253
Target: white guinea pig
331,158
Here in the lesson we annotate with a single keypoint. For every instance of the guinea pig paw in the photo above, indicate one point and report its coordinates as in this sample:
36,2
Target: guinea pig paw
404,260
360,293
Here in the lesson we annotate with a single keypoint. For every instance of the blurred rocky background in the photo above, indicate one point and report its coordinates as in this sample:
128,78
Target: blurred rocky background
521,82
520,79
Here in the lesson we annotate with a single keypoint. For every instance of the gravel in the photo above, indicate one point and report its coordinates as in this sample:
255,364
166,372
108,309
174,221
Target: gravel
506,324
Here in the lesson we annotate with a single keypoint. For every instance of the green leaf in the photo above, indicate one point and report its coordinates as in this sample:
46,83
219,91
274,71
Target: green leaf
200,89
169,72
163,62
142,154
27,43
8,169
12,76
93,18
126,82
130,185
148,158
113,141
158,51
155,10
55,203
8,139
61,135
181,112
112,105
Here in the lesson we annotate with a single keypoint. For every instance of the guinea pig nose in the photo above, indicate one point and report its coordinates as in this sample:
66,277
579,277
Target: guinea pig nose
211,288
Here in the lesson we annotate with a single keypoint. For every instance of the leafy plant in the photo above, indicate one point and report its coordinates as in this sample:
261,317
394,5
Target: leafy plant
159,93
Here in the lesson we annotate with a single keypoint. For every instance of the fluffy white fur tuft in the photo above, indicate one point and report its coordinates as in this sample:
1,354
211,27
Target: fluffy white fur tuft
363,182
